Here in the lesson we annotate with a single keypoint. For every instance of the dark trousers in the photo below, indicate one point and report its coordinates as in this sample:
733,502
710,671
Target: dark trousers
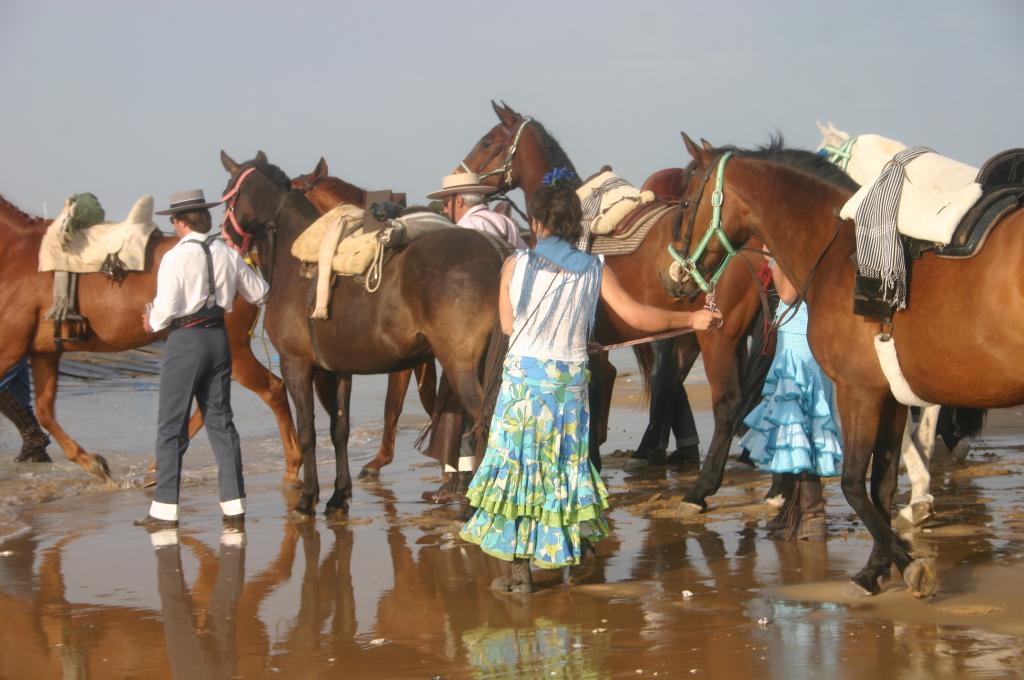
16,381
197,363
670,405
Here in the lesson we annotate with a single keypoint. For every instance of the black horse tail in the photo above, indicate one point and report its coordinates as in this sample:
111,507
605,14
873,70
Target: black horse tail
754,363
645,361
967,422
491,371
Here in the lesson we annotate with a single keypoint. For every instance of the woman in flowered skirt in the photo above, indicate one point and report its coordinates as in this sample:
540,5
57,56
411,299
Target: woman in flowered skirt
537,496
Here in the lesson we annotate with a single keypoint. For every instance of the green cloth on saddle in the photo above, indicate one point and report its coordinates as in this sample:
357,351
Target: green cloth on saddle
83,211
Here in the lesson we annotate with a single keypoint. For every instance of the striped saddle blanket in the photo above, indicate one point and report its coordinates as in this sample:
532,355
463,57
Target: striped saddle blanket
606,199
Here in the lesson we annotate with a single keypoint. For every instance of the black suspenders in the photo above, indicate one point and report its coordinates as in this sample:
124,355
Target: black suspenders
211,294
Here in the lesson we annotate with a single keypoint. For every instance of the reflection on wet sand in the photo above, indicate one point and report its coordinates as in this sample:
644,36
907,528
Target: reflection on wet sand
393,593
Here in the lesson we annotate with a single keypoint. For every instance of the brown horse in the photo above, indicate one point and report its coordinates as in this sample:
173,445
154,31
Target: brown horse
114,311
436,298
325,192
788,198
517,153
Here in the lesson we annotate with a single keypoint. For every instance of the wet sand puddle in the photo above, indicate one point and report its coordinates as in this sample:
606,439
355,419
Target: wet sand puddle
393,593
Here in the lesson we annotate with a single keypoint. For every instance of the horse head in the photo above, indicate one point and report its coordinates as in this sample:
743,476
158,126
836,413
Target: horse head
306,183
831,136
326,192
254,198
493,157
701,254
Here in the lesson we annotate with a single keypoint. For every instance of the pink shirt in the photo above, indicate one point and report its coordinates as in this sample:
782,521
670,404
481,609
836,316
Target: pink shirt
481,218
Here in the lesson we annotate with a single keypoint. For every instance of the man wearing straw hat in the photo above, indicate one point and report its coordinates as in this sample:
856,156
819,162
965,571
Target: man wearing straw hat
463,197
196,285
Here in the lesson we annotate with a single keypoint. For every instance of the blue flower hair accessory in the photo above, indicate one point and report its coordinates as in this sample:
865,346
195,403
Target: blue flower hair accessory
558,177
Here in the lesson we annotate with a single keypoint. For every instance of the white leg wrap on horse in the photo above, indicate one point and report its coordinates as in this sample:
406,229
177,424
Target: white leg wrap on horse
890,363
165,511
448,468
917,454
466,463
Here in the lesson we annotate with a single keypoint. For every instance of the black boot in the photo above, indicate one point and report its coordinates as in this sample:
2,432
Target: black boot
34,440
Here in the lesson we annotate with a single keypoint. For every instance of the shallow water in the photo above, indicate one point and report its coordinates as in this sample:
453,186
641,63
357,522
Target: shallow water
393,593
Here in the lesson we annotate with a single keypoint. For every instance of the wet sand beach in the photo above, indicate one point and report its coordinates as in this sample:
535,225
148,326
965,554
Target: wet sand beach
392,592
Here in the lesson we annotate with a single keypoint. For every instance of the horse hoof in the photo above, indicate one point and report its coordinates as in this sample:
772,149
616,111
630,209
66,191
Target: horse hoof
919,512
960,451
688,509
634,464
301,513
920,577
336,511
370,473
34,456
100,468
867,582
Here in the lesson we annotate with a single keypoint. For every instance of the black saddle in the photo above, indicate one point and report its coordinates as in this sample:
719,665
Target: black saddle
1002,181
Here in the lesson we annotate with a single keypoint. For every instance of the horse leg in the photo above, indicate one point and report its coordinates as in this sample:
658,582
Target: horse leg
44,375
398,385
917,453
426,381
298,378
720,366
870,421
251,374
338,503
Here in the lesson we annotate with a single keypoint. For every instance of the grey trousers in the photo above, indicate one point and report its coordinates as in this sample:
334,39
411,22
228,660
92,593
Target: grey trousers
197,363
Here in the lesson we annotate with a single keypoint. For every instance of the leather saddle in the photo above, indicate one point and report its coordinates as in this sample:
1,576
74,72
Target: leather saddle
1002,183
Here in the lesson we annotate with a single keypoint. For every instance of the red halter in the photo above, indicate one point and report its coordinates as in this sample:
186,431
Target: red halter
229,200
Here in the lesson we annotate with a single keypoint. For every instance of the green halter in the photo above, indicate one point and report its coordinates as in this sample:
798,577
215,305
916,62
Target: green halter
689,264
840,155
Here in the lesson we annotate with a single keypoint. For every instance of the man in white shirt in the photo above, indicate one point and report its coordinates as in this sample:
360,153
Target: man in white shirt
196,284
463,197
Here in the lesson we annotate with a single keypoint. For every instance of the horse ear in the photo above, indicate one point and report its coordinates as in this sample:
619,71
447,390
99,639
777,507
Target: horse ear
706,145
497,109
229,164
507,116
698,153
321,168
261,157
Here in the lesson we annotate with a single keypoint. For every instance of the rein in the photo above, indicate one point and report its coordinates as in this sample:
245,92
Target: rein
506,168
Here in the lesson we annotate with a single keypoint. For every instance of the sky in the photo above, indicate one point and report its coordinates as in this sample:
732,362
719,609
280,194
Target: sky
130,98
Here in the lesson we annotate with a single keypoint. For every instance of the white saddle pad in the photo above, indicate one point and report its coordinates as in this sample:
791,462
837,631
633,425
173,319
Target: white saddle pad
937,193
614,203
87,249
354,250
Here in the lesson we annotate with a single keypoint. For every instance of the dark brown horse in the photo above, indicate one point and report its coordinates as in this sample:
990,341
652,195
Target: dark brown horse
517,153
788,199
325,192
436,298
114,311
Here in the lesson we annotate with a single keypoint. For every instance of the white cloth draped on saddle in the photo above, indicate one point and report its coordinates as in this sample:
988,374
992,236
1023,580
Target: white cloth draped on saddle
606,199
337,245
86,250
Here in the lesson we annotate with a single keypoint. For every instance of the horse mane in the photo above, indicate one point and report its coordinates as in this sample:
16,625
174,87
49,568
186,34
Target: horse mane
15,211
776,151
554,155
344,191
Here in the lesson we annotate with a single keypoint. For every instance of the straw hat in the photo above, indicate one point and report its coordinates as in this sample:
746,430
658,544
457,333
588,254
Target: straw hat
183,201
461,183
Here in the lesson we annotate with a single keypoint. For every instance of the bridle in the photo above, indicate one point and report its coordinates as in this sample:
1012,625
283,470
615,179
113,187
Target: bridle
309,184
689,261
506,168
230,199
